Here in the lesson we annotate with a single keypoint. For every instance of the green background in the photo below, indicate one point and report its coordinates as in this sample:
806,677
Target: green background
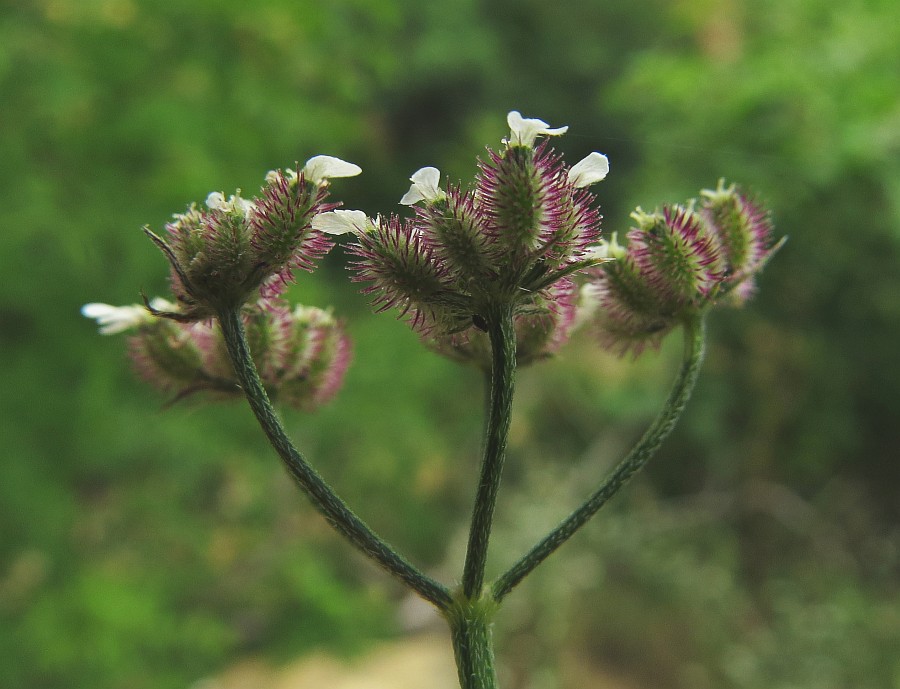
145,546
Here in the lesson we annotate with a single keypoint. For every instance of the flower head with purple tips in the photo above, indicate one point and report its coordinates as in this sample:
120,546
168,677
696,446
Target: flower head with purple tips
515,237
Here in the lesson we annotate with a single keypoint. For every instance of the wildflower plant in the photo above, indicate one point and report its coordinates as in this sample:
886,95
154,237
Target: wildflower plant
496,274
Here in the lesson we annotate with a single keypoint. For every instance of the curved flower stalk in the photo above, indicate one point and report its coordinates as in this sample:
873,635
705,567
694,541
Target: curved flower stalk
634,461
676,263
513,238
229,334
235,250
302,353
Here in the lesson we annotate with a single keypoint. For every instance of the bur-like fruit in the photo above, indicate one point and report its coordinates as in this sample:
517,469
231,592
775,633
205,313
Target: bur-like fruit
512,239
677,262
236,250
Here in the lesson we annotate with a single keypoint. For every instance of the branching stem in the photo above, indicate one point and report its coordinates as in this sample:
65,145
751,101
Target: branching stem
694,339
319,492
503,372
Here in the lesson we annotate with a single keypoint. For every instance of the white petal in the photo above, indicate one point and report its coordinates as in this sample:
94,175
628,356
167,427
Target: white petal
590,169
272,175
244,205
165,305
116,319
589,300
523,131
412,196
607,249
340,222
216,201
319,169
424,186
427,178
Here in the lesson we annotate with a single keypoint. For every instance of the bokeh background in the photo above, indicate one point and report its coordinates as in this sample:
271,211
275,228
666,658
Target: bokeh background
144,546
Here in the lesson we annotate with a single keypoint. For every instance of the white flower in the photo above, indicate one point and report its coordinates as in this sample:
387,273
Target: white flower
341,222
234,204
590,169
319,169
607,250
589,301
312,315
424,187
160,304
116,319
523,131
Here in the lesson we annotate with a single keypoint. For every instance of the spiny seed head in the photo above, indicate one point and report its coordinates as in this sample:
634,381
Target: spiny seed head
535,210
631,314
316,361
676,263
235,250
675,255
166,356
742,229
398,259
301,354
516,188
453,229
281,228
526,223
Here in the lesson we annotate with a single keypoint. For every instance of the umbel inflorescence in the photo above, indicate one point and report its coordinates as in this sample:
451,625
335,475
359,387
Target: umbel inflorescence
524,234
514,238
241,253
676,263
496,273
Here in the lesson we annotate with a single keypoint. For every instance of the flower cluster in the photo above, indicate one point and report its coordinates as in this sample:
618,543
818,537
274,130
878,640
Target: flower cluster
301,353
540,331
677,262
235,249
512,239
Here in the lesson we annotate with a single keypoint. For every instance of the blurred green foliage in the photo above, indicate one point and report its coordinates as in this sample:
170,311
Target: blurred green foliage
148,547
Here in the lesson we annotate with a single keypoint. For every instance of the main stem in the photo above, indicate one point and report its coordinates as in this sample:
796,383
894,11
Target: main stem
503,371
694,339
471,615
473,646
320,493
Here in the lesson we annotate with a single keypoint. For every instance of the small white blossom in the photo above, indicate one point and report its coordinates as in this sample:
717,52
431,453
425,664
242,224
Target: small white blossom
341,222
116,319
289,174
590,169
234,204
608,250
589,300
312,315
424,187
163,305
523,131
319,169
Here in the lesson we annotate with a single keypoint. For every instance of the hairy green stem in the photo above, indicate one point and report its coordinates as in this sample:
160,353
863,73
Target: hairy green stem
320,493
473,646
503,372
694,338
